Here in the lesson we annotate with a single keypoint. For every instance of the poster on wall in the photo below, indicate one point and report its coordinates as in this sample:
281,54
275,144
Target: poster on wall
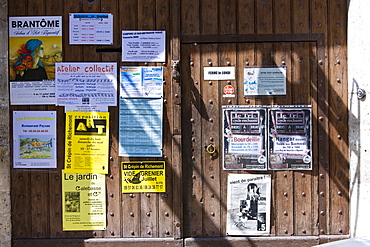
140,127
34,139
86,84
32,92
244,142
90,28
143,176
141,82
83,201
35,45
87,142
248,204
289,140
143,46
260,81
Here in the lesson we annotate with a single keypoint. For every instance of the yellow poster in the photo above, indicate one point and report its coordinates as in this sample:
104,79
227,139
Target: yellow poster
83,201
145,176
87,142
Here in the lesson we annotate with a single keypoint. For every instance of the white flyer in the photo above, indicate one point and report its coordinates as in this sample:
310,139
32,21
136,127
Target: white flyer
34,139
86,83
143,46
91,28
248,204
32,92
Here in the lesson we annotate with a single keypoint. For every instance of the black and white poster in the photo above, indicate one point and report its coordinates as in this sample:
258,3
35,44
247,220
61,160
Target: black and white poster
248,204
244,142
289,139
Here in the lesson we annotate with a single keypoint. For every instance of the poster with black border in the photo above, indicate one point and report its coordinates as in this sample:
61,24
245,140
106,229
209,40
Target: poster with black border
87,142
34,139
244,137
143,176
248,204
83,201
290,138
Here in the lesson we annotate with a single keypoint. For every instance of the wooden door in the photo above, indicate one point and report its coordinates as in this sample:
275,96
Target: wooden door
298,205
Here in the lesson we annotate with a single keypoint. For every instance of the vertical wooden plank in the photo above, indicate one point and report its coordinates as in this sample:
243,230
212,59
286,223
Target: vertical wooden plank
40,205
165,200
210,124
146,14
264,17
338,118
190,17
301,94
74,52
209,17
245,52
192,147
177,118
301,88
282,16
319,21
301,15
36,7
315,158
210,129
284,183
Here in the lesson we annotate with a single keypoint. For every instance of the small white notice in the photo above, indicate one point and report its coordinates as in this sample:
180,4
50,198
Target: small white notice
90,28
143,46
219,73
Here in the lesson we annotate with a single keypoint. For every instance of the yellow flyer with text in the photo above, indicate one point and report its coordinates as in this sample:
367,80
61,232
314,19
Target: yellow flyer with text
87,142
145,176
83,201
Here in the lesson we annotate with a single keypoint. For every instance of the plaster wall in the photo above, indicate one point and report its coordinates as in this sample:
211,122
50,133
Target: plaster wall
359,115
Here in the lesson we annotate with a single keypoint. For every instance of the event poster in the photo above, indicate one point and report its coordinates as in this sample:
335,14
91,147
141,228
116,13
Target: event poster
290,144
140,127
264,81
87,142
90,28
143,46
35,45
83,201
141,82
244,142
86,83
32,92
143,176
34,138
248,204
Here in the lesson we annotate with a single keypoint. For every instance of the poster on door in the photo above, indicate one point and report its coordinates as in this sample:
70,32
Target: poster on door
83,201
289,139
244,142
143,176
248,204
34,139
87,142
35,45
